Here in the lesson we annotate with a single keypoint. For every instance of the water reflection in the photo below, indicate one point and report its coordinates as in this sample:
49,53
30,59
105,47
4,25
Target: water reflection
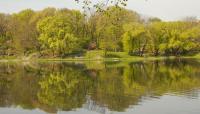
99,87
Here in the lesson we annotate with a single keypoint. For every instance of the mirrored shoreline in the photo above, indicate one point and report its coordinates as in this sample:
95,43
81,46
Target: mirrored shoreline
97,87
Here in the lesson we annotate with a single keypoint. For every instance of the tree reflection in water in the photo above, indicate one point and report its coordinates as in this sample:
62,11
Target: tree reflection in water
56,87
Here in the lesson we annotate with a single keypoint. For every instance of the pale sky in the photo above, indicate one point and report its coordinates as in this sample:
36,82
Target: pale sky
165,9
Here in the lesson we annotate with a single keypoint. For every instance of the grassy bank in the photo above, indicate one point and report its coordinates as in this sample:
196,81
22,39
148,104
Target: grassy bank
98,56
114,56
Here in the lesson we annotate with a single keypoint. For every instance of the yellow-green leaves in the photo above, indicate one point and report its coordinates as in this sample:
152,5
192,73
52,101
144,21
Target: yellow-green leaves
134,38
57,33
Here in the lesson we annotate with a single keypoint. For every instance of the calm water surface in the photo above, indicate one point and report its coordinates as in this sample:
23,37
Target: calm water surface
151,87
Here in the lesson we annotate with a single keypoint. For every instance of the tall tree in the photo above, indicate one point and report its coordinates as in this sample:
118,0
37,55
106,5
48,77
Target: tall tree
110,27
61,33
135,39
22,32
5,36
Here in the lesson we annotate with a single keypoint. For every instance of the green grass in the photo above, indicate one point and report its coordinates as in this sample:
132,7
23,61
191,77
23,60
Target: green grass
197,55
7,57
118,56
98,55
94,54
101,54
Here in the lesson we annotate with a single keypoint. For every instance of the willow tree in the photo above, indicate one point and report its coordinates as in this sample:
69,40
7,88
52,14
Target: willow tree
135,38
61,33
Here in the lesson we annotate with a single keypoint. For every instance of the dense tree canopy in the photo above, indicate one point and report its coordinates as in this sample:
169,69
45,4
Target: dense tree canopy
110,27
56,33
62,32
4,34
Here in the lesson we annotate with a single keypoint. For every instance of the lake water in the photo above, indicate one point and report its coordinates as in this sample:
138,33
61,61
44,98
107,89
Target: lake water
150,87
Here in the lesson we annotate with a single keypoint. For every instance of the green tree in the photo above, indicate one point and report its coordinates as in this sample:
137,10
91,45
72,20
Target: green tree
5,36
135,39
110,27
62,33
56,35
24,38
157,38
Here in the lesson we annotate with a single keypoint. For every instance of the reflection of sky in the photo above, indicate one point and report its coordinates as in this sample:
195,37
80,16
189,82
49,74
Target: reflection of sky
165,9
167,104
20,111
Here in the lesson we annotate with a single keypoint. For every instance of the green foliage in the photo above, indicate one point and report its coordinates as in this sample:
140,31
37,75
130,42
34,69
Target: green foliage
134,38
100,5
23,33
62,86
5,36
65,33
55,34
110,27
59,90
62,33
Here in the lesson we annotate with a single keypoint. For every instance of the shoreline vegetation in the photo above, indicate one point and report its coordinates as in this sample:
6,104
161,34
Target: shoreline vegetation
117,34
118,56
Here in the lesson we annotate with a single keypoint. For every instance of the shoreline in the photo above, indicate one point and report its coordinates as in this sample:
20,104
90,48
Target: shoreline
132,59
